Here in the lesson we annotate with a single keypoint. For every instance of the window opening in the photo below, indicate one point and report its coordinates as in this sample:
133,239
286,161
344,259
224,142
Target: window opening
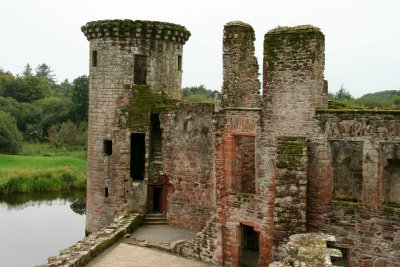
138,151
179,63
140,70
94,58
107,147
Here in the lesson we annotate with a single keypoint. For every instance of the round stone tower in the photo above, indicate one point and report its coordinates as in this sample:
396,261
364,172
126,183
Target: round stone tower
124,55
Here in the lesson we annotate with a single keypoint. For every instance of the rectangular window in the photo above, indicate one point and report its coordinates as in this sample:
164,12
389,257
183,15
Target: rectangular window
244,164
140,70
106,192
94,58
179,63
107,147
347,165
138,151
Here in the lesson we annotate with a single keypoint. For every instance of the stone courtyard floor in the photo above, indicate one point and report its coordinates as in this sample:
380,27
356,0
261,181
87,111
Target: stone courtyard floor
126,254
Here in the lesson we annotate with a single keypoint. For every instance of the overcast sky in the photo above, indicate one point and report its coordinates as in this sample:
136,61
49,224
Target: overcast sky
362,37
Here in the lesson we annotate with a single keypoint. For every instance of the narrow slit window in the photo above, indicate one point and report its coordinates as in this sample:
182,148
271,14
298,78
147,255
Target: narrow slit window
140,70
106,192
94,58
179,63
108,147
138,151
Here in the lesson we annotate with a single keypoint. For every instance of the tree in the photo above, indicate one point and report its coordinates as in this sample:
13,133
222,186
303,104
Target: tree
55,110
27,89
5,79
10,137
27,71
64,89
80,99
44,71
343,93
198,94
24,113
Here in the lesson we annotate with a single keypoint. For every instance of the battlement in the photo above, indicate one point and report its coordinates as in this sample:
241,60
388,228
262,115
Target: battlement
142,29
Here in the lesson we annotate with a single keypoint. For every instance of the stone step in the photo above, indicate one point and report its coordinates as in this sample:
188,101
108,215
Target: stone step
155,218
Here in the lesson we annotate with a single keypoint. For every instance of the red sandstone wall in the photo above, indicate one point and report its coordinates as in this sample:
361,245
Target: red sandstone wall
188,163
368,229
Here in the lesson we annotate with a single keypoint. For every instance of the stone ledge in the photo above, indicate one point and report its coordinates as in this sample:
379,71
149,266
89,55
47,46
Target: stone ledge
85,250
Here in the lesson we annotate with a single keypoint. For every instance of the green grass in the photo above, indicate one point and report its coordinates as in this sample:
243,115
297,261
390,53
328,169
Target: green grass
42,168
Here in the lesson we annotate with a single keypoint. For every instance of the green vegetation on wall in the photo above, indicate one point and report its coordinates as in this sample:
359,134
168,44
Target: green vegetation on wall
144,102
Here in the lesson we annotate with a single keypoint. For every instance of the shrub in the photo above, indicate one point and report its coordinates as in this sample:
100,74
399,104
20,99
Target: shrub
10,137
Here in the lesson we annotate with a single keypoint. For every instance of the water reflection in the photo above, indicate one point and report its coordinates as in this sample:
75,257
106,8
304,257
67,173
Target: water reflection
36,226
19,201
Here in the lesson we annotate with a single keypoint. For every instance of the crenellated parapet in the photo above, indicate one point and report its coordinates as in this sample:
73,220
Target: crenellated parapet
141,29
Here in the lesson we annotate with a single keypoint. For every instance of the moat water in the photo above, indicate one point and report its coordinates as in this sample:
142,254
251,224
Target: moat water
36,226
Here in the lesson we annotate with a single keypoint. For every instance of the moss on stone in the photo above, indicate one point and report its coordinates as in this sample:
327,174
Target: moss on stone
349,207
298,38
143,103
291,151
359,111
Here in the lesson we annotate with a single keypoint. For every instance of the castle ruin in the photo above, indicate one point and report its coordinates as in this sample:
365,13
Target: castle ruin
251,170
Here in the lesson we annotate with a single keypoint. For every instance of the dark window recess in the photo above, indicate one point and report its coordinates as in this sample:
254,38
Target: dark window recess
138,151
94,58
106,192
347,166
391,182
108,147
140,70
244,164
179,63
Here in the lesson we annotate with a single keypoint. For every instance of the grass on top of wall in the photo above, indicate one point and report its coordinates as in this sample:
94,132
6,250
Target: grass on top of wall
42,168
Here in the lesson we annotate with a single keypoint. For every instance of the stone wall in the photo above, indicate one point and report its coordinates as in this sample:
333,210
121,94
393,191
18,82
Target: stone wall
293,88
113,46
368,230
291,187
85,250
188,163
240,86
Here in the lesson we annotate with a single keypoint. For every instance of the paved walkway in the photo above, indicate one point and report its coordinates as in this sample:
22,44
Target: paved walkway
125,255
162,233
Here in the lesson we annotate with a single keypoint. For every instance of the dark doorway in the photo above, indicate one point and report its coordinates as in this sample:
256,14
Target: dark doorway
157,199
249,247
138,151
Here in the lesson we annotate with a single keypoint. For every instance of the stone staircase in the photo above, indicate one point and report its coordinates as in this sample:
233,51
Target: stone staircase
155,218
156,147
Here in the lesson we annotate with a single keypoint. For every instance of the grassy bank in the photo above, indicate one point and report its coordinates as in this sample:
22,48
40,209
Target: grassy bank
42,168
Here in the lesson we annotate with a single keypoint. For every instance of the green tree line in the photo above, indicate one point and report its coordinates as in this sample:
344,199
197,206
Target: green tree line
36,108
388,99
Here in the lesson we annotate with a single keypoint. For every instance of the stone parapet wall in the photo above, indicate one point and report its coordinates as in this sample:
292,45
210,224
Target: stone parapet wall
85,250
